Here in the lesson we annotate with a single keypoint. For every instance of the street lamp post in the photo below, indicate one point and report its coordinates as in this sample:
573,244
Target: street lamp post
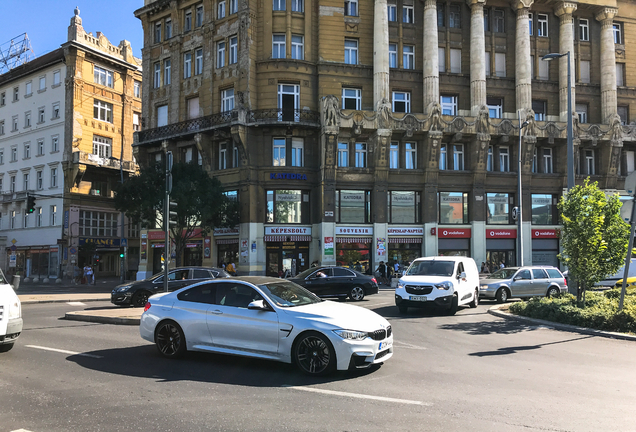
519,199
570,133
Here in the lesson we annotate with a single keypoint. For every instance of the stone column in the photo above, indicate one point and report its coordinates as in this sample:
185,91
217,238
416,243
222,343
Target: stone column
608,64
564,11
431,60
477,56
380,53
523,66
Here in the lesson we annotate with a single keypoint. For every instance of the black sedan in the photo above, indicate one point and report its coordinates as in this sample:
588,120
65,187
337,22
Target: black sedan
337,282
137,293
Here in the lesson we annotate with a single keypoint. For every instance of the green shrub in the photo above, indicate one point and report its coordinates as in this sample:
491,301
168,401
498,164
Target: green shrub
600,312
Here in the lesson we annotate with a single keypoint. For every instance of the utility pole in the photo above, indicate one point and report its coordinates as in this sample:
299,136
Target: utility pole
166,219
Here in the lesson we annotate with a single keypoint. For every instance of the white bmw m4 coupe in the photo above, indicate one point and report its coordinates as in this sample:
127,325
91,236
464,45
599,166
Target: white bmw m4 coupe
266,318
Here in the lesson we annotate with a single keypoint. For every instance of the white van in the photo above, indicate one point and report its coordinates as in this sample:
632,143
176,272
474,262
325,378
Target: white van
10,315
446,282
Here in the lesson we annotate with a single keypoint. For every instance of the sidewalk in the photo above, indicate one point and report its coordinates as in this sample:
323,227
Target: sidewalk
67,286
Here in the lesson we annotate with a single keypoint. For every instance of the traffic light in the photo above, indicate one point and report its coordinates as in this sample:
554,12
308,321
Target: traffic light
172,214
121,255
30,204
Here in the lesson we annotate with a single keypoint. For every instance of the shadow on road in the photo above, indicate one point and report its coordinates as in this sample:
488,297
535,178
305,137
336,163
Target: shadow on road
145,362
489,327
514,350
425,312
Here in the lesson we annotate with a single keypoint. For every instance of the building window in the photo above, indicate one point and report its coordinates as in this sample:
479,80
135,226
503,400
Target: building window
157,76
220,54
620,74
589,162
297,6
353,206
458,157
220,10
351,98
441,15
38,217
394,156
542,209
27,151
279,151
297,153
198,61
193,107
187,65
298,47
343,155
542,25
351,7
55,141
25,181
410,155
581,110
497,208
233,50
534,161
486,21
102,76
401,102
500,64
136,127
227,100
3,99
288,102
441,59
40,147
393,56
530,22
623,113
584,30
157,32
361,155
287,206
351,51
12,218
168,28
53,215
16,94
449,104
1,127
278,46
27,89
235,157
12,184
279,5
443,160
404,207
408,57
453,207
102,146
56,78
539,108
495,107
98,224
547,160
102,111
498,16
504,159
41,115
584,71
455,16
187,22
53,177
198,22
27,119
14,123
392,12
455,61
166,72
26,219
223,156
618,33
137,89
407,15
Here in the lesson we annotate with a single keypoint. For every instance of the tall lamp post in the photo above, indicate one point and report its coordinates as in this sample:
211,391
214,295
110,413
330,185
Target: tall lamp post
570,133
520,200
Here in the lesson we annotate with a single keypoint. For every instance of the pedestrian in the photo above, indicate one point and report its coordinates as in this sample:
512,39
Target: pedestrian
230,269
501,265
382,272
396,267
76,275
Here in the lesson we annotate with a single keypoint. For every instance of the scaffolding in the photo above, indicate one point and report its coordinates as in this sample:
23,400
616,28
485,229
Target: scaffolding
15,52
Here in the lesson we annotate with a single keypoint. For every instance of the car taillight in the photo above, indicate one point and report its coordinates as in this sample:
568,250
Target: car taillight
565,281
375,281
147,306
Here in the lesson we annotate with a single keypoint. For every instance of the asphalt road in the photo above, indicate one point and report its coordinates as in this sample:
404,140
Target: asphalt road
469,372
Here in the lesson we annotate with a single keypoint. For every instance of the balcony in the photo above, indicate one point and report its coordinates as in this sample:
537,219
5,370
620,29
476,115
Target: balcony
96,160
188,128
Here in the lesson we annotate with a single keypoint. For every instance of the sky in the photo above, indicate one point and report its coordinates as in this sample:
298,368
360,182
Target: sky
46,21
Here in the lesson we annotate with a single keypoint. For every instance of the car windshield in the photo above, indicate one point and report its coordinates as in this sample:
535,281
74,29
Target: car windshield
306,273
504,273
431,268
288,294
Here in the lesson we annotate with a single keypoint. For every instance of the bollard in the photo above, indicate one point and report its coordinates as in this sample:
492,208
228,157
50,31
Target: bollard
16,282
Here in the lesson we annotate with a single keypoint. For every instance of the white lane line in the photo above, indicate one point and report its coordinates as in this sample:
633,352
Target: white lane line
63,351
72,303
358,396
21,430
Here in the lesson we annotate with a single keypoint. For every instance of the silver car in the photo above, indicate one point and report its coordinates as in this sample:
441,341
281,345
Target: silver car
523,282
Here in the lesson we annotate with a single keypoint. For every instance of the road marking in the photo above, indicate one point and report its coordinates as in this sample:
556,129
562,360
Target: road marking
406,345
63,351
358,396
76,303
21,430
375,305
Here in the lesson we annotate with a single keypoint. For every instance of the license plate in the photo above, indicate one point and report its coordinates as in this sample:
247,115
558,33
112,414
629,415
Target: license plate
385,345
417,298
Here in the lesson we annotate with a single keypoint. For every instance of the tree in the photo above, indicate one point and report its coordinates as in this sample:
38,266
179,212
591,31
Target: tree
200,200
594,237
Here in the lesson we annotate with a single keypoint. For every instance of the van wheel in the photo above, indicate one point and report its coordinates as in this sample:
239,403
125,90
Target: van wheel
475,302
452,310
502,295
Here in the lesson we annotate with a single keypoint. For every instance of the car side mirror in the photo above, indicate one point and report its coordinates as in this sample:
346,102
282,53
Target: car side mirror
462,275
257,305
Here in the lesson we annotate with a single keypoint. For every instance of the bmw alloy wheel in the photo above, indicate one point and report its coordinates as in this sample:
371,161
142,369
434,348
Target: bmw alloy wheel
170,340
314,355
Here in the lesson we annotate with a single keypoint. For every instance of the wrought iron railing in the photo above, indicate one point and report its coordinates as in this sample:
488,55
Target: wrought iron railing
283,115
110,162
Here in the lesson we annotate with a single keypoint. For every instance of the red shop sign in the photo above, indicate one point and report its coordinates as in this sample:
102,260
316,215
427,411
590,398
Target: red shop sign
544,233
501,233
454,232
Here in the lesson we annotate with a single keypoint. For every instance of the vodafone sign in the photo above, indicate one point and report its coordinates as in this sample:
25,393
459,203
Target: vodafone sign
544,233
501,233
453,232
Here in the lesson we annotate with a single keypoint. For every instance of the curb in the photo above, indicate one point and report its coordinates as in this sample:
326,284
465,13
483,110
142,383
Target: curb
494,310
63,300
74,316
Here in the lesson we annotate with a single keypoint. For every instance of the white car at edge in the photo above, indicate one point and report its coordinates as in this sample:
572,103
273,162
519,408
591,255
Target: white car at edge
10,315
268,318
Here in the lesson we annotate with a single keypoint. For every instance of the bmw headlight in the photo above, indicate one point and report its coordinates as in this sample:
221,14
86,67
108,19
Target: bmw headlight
351,334
14,310
444,285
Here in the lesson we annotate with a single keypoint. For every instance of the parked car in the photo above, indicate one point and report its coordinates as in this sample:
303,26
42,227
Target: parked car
337,282
10,315
137,293
523,282
443,281
268,318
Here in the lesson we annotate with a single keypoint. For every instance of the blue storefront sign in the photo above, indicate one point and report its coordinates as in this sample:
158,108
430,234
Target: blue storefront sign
100,242
287,176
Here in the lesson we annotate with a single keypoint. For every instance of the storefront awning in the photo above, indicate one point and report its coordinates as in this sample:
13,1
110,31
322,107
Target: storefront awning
273,238
300,238
227,241
405,239
354,239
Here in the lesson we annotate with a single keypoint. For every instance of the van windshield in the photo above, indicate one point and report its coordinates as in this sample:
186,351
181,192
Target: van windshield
431,268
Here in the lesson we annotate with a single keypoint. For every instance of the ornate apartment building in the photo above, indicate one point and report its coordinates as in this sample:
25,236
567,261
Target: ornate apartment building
66,130
370,131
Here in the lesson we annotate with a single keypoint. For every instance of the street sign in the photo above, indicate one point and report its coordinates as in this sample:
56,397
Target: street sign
61,241
124,242
13,248
14,241
12,260
73,251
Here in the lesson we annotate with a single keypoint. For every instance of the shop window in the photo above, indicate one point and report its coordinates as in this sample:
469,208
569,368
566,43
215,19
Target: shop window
404,206
498,208
543,209
453,208
287,206
353,206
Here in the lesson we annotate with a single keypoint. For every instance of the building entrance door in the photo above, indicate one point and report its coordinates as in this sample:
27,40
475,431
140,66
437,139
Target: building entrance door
494,258
292,256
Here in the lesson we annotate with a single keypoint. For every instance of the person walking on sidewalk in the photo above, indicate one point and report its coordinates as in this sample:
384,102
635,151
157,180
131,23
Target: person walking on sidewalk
382,271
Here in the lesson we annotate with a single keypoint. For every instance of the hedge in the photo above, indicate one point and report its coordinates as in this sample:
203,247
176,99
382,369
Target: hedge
600,312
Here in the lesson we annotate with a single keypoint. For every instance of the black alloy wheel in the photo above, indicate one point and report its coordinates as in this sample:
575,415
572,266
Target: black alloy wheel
140,298
314,354
170,339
